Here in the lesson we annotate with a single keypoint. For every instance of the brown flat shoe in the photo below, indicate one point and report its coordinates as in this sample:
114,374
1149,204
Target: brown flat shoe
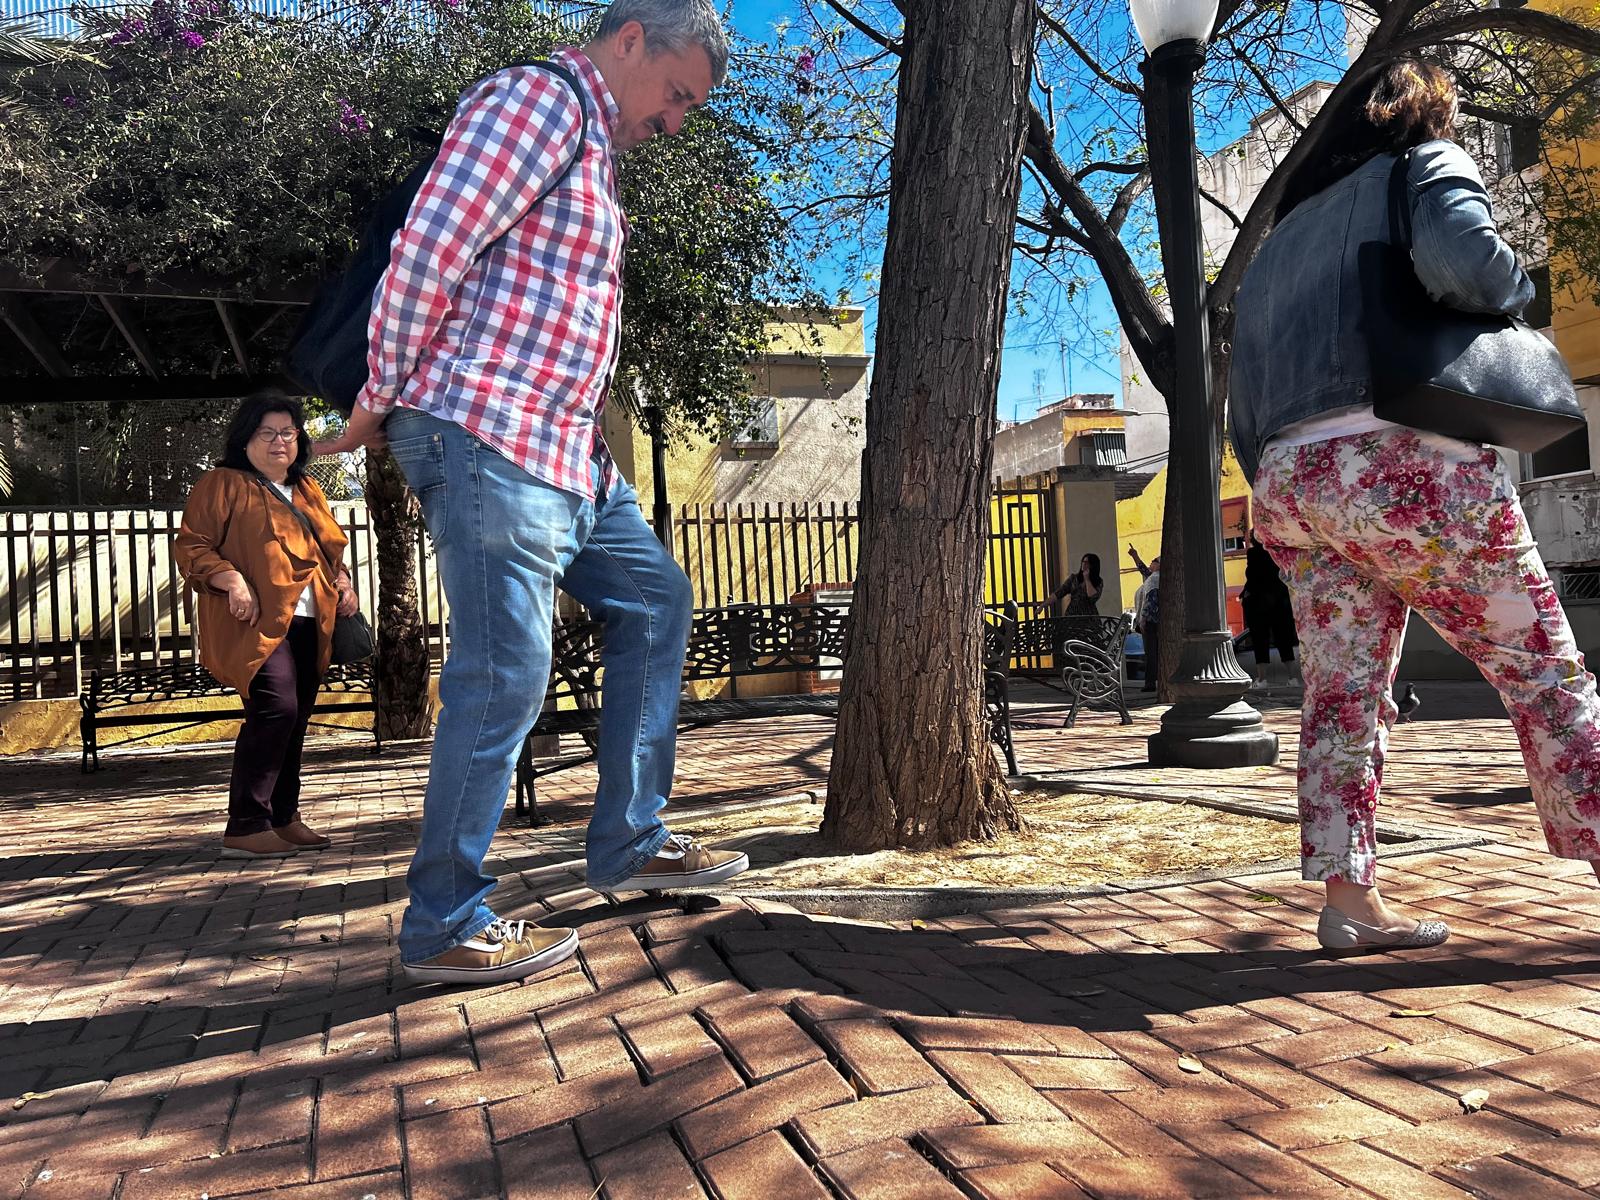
298,833
265,844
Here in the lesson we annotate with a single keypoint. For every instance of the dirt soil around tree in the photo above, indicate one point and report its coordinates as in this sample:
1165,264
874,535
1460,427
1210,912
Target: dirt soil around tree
1071,840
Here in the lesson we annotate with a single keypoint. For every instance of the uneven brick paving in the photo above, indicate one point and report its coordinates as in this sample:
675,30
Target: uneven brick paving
176,1025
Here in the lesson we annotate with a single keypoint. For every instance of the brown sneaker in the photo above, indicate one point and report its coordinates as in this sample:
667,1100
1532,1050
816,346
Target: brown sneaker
298,833
266,844
505,950
684,862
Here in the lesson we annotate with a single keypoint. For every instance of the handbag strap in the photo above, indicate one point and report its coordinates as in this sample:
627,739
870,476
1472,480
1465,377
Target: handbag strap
304,520
1400,201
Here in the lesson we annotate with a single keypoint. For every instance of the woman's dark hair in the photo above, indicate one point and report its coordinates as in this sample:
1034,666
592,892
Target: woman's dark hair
1409,103
252,411
1094,570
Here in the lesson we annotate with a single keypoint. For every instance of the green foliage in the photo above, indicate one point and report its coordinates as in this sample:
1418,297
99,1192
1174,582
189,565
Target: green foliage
246,149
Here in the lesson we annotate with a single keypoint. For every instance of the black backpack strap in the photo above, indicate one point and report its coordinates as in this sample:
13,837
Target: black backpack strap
576,84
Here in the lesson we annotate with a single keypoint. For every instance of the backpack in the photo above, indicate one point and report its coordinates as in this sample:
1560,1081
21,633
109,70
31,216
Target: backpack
1150,612
327,355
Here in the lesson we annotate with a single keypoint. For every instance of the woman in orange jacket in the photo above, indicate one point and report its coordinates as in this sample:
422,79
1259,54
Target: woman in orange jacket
262,549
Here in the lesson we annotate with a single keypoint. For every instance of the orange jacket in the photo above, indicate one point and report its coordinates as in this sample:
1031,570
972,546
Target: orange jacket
231,523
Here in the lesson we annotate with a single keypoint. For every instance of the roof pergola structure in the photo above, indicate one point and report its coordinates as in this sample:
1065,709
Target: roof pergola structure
67,336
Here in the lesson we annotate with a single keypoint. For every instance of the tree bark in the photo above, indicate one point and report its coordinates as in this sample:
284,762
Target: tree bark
402,671
912,765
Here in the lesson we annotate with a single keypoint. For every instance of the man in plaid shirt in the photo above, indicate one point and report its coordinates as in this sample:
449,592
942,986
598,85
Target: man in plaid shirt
493,342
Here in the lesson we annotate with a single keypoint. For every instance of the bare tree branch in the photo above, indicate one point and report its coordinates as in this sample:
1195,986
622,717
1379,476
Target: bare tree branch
1130,192
1222,208
1100,73
1115,168
1147,329
1272,94
861,27
1529,22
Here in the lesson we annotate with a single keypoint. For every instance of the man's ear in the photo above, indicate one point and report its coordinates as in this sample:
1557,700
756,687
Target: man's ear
629,39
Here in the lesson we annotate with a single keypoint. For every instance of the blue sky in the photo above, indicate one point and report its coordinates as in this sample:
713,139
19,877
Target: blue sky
1031,356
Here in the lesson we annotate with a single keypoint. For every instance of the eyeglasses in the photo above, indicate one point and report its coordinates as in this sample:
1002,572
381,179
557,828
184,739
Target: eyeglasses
277,435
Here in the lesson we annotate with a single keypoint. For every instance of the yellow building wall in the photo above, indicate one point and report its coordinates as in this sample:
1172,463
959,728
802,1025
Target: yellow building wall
1575,318
1139,525
691,463
1089,420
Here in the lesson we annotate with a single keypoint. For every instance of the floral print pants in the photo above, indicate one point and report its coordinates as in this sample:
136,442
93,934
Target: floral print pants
1370,526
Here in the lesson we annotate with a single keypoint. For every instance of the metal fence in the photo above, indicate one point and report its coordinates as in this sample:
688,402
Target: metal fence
764,553
96,588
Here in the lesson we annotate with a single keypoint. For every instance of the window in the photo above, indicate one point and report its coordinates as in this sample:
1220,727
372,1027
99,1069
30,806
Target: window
1235,526
1109,449
760,432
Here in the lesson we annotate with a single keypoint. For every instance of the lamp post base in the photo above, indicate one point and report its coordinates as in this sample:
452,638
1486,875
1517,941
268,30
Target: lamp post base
1210,725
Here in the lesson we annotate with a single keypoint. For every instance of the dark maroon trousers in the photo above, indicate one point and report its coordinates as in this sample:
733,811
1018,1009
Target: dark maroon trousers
265,792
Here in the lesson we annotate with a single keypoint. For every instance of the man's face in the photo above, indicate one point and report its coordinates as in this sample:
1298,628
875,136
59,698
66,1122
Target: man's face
654,92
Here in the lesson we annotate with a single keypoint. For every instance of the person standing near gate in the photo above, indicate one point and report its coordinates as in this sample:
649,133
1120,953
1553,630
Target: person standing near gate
1147,617
265,557
1268,613
494,337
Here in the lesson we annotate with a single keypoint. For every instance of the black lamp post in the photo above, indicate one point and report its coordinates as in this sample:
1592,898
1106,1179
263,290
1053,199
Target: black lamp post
1209,724
658,470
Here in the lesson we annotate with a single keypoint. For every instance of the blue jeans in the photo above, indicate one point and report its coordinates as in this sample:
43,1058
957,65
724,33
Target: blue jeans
504,541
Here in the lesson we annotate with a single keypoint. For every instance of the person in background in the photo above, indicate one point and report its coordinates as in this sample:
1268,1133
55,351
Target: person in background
262,550
1081,590
1147,617
1371,520
1268,613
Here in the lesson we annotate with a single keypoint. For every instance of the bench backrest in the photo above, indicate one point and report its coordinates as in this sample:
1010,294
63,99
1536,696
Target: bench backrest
724,643
1042,637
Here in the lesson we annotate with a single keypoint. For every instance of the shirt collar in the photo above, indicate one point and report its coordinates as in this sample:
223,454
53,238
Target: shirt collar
599,93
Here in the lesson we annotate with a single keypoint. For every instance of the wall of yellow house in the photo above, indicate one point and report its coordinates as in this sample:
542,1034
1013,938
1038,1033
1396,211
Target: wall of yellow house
1139,525
1088,420
1576,318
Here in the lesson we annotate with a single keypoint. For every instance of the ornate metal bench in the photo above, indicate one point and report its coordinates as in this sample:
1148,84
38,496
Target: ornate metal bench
1087,652
110,691
731,643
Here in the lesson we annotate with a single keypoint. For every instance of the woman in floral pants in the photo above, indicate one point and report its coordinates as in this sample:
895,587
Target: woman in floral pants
1370,520
1367,527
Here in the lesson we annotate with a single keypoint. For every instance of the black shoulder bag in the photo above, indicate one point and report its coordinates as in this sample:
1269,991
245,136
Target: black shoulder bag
353,640
327,354
1480,377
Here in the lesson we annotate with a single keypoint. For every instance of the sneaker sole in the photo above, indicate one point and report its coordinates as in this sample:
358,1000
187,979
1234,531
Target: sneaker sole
664,882
518,969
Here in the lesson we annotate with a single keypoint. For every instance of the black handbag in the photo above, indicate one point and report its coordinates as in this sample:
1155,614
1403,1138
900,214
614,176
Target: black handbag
1479,377
353,640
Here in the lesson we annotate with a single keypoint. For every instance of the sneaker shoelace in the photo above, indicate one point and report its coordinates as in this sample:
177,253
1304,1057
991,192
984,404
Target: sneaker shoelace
682,843
501,930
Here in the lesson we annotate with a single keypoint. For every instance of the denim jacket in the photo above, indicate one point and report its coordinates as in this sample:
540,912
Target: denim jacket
1298,349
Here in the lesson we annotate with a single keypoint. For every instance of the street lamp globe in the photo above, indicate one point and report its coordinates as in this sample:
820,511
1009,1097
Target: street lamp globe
1161,22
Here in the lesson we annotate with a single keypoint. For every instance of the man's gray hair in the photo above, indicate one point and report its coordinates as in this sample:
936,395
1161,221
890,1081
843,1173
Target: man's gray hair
673,25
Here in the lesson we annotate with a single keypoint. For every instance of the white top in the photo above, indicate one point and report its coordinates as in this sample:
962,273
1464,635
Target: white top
1336,423
306,606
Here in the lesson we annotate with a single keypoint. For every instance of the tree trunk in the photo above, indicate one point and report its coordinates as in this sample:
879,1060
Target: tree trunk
402,664
912,765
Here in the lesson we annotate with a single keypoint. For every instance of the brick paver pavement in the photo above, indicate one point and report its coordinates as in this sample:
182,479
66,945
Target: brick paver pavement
176,1025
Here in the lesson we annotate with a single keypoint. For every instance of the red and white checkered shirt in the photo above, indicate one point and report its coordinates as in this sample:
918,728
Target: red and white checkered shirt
502,317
